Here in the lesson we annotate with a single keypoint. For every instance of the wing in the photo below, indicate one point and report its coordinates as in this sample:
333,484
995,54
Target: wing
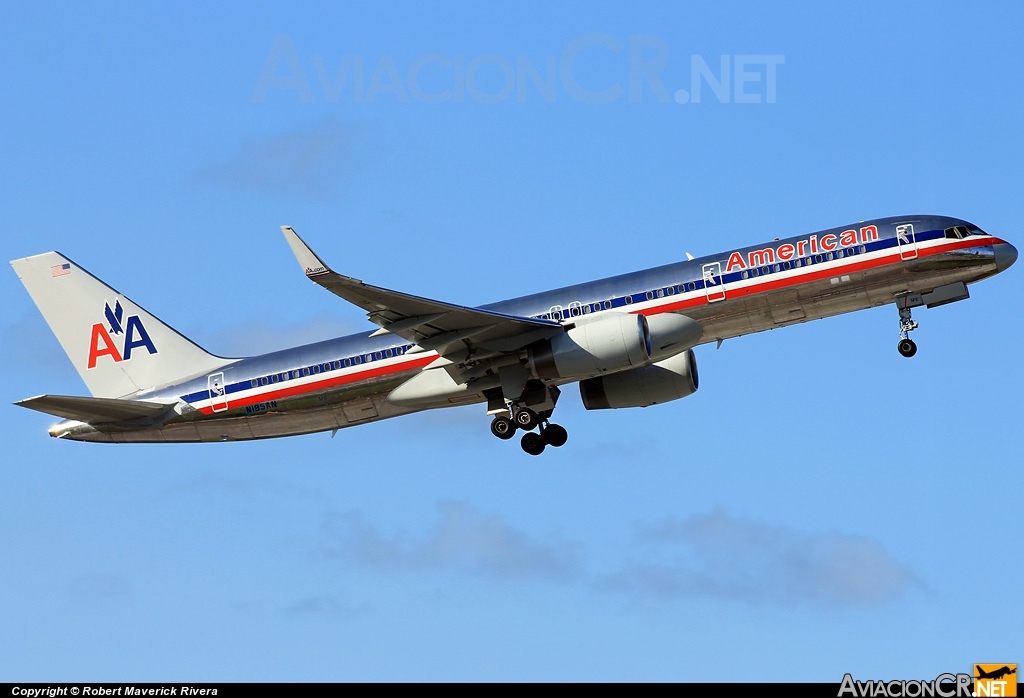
433,325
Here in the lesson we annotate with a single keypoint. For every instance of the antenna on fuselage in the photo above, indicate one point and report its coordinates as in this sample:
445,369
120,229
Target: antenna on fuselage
689,257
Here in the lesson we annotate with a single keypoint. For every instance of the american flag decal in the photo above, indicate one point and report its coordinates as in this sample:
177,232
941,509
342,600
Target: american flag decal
60,269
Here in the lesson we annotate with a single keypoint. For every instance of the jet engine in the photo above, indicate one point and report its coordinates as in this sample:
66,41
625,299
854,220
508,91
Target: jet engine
663,381
593,347
608,344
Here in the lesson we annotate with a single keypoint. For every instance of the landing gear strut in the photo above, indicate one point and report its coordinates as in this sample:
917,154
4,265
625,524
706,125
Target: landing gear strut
906,346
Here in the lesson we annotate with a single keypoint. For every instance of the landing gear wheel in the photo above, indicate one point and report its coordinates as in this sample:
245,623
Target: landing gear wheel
555,435
907,347
532,443
526,419
503,427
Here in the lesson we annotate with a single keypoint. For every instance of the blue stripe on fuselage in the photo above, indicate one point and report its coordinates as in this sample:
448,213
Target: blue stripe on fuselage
614,289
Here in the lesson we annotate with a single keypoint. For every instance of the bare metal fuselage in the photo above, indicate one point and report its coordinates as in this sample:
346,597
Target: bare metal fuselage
265,400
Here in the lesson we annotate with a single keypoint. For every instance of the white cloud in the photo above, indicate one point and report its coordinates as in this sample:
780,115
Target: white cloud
718,555
314,164
461,538
99,587
711,556
322,606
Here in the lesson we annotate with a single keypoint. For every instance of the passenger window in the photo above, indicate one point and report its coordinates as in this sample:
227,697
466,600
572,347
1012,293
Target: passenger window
778,267
828,255
670,290
254,382
817,258
863,249
796,263
743,274
274,378
785,265
629,300
607,305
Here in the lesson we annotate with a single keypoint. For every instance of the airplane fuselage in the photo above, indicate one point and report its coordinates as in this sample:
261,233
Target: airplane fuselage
346,381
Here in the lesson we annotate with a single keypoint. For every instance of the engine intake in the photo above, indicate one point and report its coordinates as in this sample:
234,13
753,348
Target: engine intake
664,381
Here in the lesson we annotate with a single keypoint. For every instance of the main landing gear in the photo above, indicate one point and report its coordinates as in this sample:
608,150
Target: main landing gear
534,443
906,346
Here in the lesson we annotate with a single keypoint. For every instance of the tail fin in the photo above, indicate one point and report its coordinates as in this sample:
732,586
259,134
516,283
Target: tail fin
117,347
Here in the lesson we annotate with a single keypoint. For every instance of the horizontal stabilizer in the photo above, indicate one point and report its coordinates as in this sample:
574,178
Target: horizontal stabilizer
95,410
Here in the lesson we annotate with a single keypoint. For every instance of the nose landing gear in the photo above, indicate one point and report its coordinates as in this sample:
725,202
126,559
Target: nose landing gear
906,345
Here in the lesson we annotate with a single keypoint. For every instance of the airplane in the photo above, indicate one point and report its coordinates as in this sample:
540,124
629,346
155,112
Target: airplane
627,340
995,674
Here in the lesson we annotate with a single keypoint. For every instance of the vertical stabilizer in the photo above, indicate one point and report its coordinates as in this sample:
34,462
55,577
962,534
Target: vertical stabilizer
117,347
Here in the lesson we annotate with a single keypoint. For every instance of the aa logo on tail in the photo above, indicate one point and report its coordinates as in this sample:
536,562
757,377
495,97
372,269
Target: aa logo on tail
134,336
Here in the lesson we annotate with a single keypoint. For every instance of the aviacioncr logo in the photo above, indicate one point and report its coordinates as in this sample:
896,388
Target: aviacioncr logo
101,343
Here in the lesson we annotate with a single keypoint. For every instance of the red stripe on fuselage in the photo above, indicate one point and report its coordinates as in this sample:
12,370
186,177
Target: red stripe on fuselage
322,384
813,274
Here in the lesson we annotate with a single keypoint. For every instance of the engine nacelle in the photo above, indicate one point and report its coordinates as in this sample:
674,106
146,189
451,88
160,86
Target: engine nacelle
664,381
593,347
672,334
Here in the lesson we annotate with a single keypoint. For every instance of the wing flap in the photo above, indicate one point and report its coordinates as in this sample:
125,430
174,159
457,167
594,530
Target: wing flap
429,323
95,410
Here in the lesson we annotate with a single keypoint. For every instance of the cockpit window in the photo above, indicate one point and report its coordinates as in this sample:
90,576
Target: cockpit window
962,231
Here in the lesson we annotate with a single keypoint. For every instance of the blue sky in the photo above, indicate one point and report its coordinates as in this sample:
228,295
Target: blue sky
820,506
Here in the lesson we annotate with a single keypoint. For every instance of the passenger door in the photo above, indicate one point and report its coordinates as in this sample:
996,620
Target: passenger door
218,392
905,240
714,287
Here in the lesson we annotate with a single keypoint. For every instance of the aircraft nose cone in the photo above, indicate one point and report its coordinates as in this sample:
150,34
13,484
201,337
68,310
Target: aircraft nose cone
1006,255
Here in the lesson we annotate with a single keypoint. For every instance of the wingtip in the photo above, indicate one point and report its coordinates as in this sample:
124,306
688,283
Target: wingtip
310,263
